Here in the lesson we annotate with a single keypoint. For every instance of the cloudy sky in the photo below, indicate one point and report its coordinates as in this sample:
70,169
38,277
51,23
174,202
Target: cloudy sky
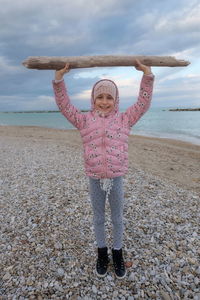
93,27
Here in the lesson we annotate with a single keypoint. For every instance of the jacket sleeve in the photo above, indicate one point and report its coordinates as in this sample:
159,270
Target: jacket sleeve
136,111
72,114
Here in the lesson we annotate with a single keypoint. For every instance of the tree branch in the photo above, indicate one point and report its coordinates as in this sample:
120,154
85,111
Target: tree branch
56,63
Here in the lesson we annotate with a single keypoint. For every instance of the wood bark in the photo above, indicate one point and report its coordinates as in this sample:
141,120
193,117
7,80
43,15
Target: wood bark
56,63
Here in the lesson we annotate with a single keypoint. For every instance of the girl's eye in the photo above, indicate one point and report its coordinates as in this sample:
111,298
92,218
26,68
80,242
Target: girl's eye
108,97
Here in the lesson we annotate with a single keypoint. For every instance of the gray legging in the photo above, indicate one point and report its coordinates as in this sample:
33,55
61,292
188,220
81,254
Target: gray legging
116,201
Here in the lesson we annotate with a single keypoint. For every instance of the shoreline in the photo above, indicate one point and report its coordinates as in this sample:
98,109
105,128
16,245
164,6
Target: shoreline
175,161
148,136
190,140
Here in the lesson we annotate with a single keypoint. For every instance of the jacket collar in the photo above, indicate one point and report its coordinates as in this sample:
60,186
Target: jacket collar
103,115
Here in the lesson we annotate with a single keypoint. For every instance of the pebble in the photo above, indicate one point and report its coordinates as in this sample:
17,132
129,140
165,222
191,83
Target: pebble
164,295
58,246
115,294
45,285
60,272
6,276
58,287
47,241
131,276
94,289
130,298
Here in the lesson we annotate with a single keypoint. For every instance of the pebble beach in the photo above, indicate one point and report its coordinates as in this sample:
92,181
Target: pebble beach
47,242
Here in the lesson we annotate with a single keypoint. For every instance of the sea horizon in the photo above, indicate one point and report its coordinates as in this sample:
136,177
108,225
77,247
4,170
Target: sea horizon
85,110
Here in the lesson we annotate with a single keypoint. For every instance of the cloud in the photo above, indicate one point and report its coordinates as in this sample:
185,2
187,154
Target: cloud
183,21
180,91
25,103
7,67
91,27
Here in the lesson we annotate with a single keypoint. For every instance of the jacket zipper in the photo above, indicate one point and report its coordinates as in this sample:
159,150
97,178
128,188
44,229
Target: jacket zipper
104,147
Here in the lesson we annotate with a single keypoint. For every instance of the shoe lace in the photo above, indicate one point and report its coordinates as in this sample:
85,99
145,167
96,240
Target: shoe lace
102,261
119,263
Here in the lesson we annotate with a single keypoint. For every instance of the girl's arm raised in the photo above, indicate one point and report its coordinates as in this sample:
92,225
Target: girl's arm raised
137,110
72,114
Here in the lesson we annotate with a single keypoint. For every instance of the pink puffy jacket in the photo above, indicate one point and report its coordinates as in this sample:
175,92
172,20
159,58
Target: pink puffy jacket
105,139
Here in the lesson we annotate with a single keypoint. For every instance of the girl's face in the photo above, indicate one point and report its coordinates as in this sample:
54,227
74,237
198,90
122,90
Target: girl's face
104,103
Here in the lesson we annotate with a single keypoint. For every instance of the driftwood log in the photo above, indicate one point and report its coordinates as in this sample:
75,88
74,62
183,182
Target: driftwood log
56,63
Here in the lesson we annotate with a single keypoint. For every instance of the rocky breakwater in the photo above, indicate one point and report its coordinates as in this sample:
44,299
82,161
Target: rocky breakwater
184,109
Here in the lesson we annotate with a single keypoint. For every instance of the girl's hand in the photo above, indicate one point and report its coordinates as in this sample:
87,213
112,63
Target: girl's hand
140,67
59,74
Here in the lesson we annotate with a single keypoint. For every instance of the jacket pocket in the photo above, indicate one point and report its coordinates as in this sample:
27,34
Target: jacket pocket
89,156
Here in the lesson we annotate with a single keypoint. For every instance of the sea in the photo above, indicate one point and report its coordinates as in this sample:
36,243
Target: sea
157,122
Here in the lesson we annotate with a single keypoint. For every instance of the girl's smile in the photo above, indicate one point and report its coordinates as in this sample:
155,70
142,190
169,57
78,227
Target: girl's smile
104,103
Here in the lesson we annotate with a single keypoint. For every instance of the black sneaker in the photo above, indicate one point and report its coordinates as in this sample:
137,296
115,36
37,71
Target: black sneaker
102,262
118,262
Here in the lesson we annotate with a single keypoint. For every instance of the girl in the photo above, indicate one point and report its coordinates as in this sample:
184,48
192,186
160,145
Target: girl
104,132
